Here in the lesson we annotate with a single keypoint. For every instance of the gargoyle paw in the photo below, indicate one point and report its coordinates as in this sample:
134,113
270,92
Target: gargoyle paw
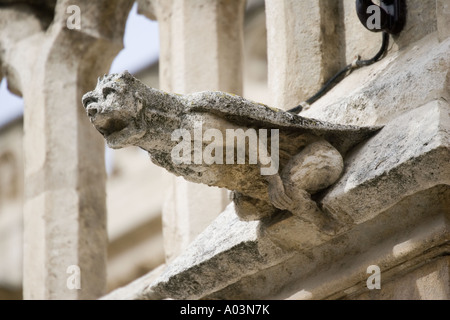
278,196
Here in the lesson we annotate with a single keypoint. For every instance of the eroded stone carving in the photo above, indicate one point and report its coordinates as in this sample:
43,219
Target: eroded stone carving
309,157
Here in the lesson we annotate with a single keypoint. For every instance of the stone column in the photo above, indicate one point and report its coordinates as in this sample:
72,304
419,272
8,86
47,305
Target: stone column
65,237
201,49
443,19
304,48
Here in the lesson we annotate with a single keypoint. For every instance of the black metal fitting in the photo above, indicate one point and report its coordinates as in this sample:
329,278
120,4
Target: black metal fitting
389,16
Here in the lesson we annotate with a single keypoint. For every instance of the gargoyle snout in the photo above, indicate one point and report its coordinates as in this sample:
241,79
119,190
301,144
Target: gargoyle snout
90,103
92,110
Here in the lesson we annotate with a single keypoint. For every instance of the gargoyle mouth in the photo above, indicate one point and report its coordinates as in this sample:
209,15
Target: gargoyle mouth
111,126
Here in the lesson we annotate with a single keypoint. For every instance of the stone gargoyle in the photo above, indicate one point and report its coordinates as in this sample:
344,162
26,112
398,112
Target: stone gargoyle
194,136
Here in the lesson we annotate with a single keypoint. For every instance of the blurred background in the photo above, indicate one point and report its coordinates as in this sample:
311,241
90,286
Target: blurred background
134,218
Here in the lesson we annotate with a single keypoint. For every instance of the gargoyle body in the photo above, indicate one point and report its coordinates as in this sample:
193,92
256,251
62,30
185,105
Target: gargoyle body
307,154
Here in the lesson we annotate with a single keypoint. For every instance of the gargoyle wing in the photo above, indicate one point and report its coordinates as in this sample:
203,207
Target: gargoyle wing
248,113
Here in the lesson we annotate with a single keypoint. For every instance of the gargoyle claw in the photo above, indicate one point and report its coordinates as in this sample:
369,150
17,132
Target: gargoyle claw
277,194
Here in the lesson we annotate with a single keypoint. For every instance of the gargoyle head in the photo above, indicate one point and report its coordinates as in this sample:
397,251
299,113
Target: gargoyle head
115,109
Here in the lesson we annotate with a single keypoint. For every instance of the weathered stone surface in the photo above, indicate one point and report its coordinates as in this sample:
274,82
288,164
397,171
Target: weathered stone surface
194,58
204,58
309,159
420,21
355,39
443,19
395,240
138,289
402,81
409,155
121,106
393,197
429,281
226,251
51,65
299,61
412,232
11,203
394,209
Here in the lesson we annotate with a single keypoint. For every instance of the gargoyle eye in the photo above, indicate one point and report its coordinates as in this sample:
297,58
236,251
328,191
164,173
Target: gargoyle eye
88,100
106,91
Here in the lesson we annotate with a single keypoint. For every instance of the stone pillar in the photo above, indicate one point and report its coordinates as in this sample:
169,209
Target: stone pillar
443,19
201,49
304,48
65,237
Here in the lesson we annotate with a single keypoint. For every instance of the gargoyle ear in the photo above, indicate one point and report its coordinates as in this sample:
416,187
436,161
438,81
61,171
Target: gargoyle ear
139,102
125,74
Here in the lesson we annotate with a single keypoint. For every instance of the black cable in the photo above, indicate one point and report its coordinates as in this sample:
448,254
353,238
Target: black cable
383,49
345,71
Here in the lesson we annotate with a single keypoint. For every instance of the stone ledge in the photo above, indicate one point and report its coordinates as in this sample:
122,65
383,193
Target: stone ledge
408,234
410,154
225,252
